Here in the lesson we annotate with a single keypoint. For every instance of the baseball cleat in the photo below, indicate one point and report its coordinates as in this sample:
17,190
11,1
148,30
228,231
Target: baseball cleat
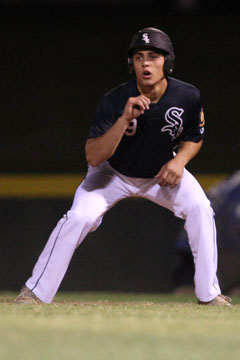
220,300
26,296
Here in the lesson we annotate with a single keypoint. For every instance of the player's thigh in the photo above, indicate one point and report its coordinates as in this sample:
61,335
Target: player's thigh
99,191
189,197
188,194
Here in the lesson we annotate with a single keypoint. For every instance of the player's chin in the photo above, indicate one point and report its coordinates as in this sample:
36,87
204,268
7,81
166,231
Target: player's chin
147,82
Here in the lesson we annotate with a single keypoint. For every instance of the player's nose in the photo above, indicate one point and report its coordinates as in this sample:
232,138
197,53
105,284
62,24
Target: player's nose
145,62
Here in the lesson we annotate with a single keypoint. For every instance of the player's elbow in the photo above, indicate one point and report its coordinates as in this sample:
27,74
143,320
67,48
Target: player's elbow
92,160
94,153
90,154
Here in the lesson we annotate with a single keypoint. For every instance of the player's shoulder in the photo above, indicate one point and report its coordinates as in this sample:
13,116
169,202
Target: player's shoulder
184,87
127,88
117,96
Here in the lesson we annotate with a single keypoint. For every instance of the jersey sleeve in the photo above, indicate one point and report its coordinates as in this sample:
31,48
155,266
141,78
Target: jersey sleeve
105,117
195,131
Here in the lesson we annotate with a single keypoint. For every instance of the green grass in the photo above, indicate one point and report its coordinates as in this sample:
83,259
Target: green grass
102,326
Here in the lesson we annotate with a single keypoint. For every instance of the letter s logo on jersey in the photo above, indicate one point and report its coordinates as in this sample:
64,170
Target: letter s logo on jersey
174,120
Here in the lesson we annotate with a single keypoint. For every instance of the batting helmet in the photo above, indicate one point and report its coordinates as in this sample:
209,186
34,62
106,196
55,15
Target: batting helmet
154,39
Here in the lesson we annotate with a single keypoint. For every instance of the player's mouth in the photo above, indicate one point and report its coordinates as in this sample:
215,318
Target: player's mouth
147,74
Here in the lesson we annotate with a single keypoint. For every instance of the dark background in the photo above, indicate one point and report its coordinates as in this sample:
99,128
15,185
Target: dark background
56,61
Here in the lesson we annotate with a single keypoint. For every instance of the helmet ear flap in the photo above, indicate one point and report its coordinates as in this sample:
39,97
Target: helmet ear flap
130,65
169,64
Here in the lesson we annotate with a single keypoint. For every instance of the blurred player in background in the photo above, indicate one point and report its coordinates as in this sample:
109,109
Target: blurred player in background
144,134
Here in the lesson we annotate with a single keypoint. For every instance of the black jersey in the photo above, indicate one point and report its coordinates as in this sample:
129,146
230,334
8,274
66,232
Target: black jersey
150,140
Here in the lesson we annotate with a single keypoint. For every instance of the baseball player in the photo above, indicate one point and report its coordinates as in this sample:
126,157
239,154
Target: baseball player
144,133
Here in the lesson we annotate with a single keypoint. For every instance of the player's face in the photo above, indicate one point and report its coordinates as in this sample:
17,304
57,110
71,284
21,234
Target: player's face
148,66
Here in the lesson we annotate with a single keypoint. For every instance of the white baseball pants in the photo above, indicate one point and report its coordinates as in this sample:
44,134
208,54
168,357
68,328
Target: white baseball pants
101,189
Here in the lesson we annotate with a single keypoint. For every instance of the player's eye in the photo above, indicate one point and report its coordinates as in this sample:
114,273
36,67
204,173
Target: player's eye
138,57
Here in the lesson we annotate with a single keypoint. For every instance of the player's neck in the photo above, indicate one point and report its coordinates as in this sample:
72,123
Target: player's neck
153,92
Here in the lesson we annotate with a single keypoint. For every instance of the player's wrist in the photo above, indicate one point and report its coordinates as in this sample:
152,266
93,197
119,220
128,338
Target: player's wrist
182,159
125,120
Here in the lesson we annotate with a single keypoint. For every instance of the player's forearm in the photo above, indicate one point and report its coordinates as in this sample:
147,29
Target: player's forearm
187,151
103,147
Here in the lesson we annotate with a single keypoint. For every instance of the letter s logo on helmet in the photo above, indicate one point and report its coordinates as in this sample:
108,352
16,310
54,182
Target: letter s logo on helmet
153,39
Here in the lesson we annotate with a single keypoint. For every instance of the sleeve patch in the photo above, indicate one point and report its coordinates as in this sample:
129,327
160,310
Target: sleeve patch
202,119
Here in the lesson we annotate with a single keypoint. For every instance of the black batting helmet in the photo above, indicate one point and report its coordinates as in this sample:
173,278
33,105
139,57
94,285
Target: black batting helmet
154,39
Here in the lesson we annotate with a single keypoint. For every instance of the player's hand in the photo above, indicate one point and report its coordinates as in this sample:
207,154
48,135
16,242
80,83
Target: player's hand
170,173
135,107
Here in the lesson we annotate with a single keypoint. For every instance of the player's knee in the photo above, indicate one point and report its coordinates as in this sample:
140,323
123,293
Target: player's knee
89,211
81,217
200,206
